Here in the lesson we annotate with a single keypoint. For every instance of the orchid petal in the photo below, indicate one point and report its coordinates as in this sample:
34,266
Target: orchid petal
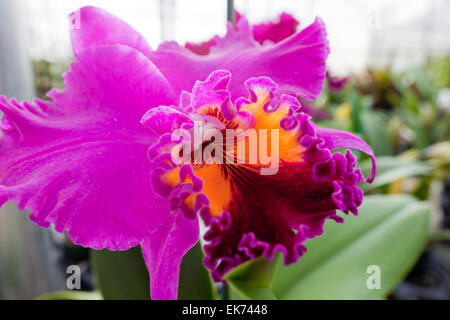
268,32
297,63
79,162
164,251
336,139
275,31
98,27
164,119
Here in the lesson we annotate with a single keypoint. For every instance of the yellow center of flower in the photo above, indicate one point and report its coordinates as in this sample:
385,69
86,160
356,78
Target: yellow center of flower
218,178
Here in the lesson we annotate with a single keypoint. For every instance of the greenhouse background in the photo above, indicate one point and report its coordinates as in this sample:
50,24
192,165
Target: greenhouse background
394,55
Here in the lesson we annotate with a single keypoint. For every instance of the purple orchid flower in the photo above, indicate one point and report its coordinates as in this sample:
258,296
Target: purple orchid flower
268,32
336,84
96,160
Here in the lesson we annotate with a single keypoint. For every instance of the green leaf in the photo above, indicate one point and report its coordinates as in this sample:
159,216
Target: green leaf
374,125
390,169
355,116
71,295
122,275
441,235
195,282
390,232
253,280
341,124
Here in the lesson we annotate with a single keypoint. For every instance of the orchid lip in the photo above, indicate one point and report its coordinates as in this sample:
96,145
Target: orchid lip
331,177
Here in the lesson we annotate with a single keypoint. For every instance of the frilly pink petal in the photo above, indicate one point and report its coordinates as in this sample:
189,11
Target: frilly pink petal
267,32
335,139
97,27
275,31
296,64
79,162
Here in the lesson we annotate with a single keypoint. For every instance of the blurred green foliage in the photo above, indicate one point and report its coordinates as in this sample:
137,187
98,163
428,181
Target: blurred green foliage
404,117
336,264
47,75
